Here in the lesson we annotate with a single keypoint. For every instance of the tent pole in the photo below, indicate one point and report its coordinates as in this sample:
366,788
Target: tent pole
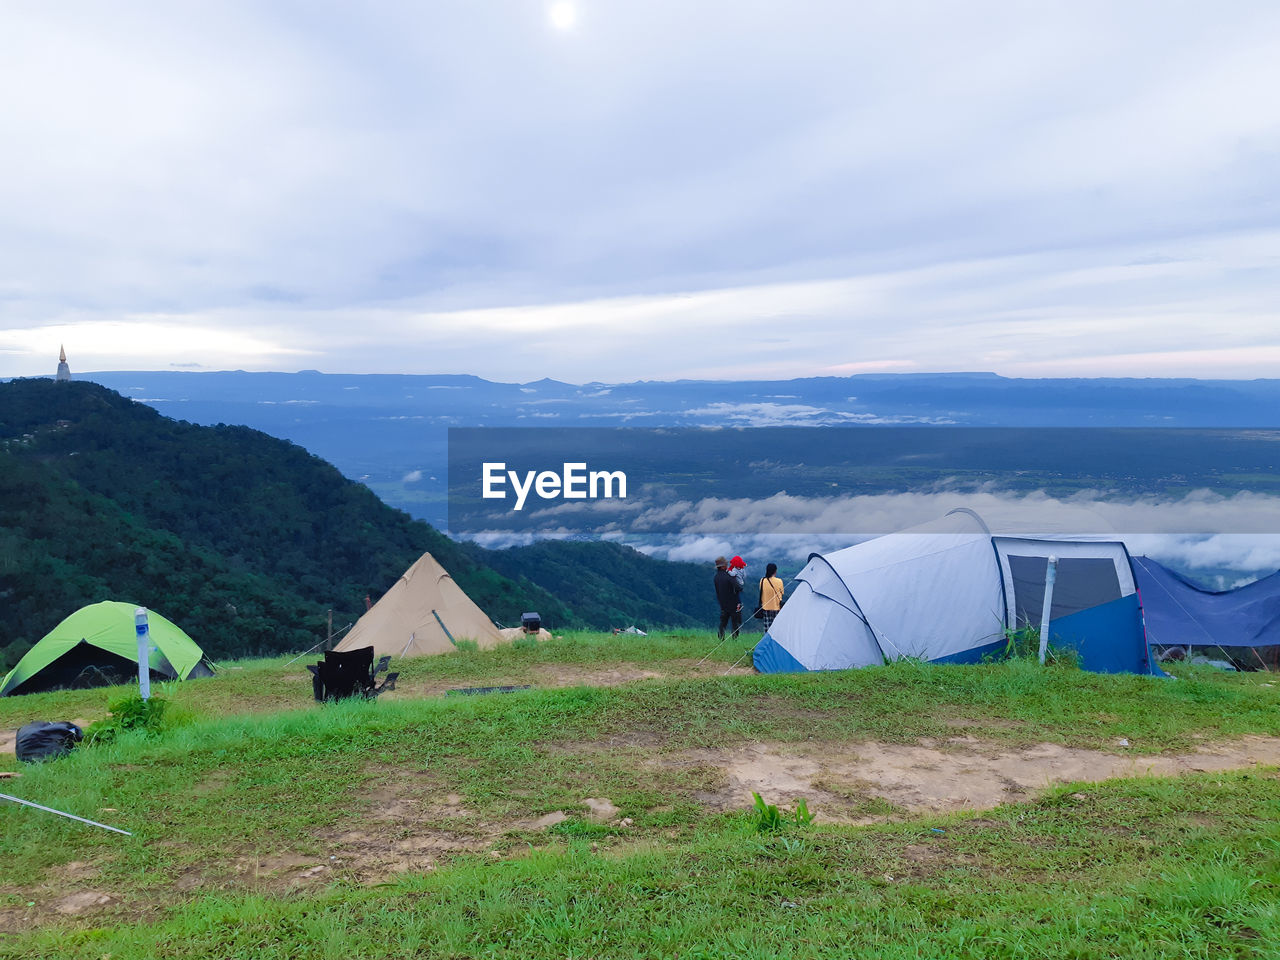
1050,575
444,628
143,630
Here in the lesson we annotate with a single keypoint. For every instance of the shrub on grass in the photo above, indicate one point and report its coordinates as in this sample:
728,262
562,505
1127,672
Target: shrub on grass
1024,644
129,713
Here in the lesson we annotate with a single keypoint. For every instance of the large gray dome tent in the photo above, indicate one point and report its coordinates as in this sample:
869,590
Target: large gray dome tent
947,591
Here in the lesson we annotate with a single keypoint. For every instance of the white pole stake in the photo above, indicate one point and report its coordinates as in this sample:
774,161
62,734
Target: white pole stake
144,652
1050,575
63,813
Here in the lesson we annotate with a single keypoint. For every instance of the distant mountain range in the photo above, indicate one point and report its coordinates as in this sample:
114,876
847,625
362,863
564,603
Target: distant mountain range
246,540
390,431
251,539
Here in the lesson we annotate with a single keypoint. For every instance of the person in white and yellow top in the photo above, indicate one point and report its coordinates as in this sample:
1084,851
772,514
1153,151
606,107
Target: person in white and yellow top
771,591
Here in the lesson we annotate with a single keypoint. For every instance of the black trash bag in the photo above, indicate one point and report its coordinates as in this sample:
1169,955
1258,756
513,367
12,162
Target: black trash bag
44,740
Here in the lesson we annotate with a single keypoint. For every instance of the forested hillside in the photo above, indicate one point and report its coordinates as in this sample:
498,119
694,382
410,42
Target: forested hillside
244,539
608,584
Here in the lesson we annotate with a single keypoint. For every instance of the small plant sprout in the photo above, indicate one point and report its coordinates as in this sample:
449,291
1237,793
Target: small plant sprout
802,815
769,819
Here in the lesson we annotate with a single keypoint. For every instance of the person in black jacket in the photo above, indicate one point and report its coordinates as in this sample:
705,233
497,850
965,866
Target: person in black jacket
728,595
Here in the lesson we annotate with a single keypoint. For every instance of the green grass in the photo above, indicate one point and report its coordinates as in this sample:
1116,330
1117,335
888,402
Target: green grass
1141,868
263,685
254,773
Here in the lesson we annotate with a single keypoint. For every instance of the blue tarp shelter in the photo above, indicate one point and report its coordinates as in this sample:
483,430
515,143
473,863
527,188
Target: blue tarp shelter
1244,623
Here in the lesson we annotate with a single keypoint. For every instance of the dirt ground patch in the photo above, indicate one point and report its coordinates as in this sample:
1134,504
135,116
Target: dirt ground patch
371,854
413,824
958,773
552,675
51,903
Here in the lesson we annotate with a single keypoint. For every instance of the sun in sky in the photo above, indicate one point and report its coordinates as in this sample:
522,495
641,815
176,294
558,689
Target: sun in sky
563,15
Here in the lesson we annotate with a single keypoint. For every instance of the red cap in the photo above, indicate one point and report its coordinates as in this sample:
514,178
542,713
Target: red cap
737,563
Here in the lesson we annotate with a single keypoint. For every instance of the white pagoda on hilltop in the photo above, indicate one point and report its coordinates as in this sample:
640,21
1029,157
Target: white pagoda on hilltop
64,372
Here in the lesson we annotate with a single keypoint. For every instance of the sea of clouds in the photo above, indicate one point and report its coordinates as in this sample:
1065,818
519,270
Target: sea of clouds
1200,530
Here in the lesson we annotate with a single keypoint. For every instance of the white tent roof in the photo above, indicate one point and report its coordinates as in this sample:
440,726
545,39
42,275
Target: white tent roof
927,592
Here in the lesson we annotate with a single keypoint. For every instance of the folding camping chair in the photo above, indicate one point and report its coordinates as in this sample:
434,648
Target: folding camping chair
350,673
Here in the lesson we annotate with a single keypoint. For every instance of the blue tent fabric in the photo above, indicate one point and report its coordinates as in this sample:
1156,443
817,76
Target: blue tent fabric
1108,638
1182,613
975,654
771,657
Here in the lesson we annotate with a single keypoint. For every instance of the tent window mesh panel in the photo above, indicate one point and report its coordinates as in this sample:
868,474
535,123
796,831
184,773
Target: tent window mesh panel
1082,582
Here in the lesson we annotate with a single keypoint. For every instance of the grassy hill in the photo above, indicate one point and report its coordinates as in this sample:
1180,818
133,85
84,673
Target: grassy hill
597,817
246,540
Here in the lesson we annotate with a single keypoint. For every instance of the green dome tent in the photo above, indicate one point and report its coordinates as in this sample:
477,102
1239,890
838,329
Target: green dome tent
97,646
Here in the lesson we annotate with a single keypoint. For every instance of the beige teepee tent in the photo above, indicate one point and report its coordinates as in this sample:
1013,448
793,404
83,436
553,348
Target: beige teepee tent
412,617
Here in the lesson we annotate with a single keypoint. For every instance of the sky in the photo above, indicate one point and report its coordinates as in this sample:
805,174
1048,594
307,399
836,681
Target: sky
600,190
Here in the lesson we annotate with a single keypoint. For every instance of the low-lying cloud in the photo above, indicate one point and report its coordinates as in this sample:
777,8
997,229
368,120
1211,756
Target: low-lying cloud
1085,514
1199,531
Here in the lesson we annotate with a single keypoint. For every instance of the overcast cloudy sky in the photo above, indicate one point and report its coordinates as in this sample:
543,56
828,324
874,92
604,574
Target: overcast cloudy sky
617,190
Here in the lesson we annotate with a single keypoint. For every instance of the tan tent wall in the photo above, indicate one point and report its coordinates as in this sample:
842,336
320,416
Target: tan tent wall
403,623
